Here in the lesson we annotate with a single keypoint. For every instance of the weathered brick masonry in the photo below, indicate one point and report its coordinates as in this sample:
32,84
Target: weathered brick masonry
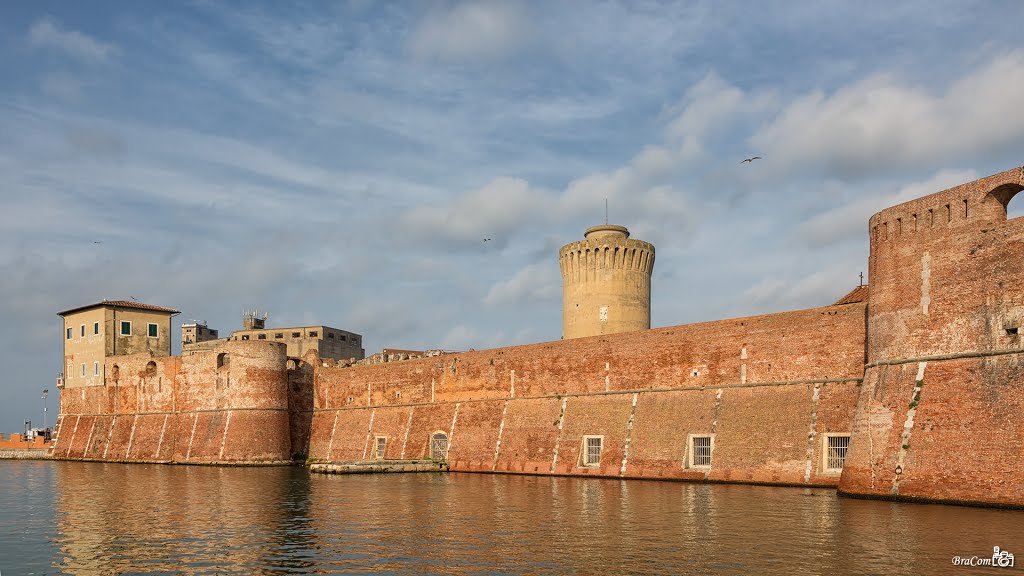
939,416
226,406
765,386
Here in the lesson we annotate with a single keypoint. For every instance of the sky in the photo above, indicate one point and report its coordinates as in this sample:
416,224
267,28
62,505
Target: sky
341,163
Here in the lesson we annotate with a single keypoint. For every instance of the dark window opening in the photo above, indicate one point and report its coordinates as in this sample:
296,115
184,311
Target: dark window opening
95,327
245,336
330,335
296,334
153,331
126,328
1011,331
313,334
261,337
278,335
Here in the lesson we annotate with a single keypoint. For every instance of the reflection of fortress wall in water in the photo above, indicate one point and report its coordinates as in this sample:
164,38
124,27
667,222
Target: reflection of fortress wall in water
921,380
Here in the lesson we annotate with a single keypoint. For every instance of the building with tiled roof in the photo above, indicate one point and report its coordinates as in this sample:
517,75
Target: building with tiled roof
95,332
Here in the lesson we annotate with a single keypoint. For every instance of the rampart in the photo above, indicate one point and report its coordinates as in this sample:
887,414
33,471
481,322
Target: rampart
765,387
227,406
939,416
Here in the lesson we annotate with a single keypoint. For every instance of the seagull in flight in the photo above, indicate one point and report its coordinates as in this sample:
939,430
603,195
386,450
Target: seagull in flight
751,159
97,242
487,239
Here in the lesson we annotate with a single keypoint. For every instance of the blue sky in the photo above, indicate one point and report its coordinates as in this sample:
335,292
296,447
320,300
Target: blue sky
340,163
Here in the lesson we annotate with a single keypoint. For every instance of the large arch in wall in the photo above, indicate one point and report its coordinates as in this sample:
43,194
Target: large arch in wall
1005,195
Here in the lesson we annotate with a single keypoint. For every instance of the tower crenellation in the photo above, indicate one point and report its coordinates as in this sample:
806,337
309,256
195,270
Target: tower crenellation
606,283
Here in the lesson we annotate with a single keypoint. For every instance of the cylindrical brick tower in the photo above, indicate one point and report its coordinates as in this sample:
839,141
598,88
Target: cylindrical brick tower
606,283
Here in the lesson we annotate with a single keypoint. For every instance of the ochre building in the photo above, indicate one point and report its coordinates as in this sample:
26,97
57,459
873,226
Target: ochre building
95,332
912,388
326,341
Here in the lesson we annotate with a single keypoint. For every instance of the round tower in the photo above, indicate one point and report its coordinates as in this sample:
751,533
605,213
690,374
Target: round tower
606,283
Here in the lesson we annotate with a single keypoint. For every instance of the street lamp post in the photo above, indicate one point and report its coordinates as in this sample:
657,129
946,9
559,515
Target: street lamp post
45,392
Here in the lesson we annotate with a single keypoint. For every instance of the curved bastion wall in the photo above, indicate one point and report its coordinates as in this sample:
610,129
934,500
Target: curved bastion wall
229,405
940,413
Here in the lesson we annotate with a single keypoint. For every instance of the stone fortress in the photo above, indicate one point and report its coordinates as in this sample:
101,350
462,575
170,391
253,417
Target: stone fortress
910,389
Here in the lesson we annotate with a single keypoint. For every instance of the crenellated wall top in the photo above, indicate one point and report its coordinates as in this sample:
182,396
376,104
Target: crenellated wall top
982,201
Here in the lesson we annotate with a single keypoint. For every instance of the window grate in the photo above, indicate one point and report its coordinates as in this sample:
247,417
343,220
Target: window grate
701,451
382,442
837,447
439,446
592,450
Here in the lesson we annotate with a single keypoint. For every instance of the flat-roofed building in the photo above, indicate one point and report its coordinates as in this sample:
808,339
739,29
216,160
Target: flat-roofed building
95,332
332,343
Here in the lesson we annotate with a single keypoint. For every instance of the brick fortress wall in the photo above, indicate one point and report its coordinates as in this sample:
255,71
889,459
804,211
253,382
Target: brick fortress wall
767,387
939,415
230,405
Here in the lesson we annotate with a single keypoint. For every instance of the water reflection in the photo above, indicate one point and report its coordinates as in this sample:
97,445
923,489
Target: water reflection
115,519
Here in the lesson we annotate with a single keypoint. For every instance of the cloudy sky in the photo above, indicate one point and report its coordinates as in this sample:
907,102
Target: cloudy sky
341,163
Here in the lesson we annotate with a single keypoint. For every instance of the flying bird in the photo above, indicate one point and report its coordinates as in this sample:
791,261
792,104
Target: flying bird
133,298
97,242
751,159
487,239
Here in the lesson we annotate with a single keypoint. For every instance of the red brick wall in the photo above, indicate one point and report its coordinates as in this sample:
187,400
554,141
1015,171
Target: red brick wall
182,409
763,385
944,292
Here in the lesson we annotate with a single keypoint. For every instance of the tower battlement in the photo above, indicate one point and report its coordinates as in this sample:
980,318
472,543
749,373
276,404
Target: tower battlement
606,283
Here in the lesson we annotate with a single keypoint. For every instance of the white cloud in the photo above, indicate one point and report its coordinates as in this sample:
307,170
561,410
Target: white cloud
850,220
534,282
882,122
471,31
818,288
494,211
46,33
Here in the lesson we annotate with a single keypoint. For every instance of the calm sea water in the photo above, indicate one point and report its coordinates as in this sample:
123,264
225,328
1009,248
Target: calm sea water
89,518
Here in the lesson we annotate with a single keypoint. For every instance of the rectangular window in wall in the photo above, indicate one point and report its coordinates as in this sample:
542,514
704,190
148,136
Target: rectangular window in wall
278,335
261,337
95,327
590,454
126,328
378,451
700,449
296,334
83,368
152,330
83,330
69,333
313,334
95,368
834,452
